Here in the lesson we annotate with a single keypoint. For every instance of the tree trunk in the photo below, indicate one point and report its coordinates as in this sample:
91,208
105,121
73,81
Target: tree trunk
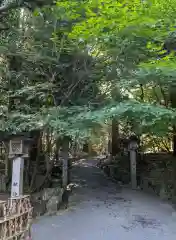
35,135
34,156
86,147
115,137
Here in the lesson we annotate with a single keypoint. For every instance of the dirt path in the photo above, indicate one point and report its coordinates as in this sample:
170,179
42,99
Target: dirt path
100,210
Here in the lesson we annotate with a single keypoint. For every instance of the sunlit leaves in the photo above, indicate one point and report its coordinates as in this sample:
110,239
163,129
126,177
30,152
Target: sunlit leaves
83,50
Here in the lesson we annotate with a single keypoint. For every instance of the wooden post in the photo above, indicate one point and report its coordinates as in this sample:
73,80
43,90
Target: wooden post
133,156
17,177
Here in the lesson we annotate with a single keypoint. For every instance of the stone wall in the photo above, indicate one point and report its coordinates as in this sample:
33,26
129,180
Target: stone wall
154,173
158,175
47,201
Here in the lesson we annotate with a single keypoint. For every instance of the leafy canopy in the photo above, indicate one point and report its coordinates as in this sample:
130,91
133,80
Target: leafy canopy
78,63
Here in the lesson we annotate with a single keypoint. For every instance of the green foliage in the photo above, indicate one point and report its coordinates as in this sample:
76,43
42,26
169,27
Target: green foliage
77,64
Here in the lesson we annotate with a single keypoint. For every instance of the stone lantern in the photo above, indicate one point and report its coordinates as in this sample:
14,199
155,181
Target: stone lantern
16,212
18,150
133,143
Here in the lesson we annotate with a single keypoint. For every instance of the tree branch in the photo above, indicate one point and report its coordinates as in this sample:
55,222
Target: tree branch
4,14
4,28
142,92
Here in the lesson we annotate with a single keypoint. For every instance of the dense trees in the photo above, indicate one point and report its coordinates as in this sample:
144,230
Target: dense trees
71,65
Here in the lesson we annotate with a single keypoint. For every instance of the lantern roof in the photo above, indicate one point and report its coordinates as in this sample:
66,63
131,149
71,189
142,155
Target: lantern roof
6,136
134,138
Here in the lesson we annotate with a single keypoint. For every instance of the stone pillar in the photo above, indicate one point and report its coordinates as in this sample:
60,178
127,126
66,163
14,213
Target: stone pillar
133,169
65,172
65,157
132,147
17,177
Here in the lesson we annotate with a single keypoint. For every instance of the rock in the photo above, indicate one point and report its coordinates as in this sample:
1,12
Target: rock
53,199
47,193
47,201
52,204
39,208
35,197
38,205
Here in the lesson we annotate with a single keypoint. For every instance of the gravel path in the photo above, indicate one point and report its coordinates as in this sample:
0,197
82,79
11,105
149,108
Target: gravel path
100,210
